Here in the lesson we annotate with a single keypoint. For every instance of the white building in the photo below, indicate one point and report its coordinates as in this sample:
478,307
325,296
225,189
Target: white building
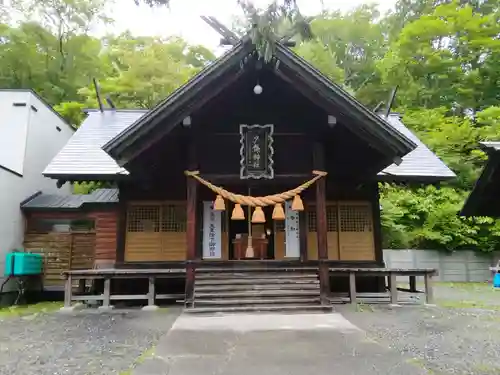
31,134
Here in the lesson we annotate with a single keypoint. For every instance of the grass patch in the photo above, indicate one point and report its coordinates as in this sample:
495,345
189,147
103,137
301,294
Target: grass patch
420,363
464,304
23,310
466,286
149,353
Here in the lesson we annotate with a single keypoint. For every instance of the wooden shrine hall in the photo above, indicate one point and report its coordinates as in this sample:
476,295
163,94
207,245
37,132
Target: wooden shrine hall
251,166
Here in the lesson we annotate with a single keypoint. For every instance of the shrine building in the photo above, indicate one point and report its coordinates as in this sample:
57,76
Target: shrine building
261,165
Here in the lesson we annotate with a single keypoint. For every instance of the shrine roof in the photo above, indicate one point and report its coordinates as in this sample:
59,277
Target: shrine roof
83,158
225,71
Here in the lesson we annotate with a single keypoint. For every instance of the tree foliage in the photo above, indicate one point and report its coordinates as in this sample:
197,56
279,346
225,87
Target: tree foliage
444,55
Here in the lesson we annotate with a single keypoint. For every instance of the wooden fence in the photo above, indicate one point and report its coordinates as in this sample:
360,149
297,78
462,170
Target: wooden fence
62,252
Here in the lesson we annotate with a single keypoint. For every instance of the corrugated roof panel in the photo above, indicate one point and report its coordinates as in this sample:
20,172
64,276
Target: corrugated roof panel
420,162
74,201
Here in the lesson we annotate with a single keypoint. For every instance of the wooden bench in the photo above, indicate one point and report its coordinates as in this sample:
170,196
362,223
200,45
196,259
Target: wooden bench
107,275
391,274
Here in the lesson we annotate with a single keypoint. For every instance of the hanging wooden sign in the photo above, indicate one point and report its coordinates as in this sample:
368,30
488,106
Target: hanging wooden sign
256,151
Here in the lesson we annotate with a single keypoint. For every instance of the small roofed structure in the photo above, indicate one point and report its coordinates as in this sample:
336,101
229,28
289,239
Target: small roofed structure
71,231
249,164
484,199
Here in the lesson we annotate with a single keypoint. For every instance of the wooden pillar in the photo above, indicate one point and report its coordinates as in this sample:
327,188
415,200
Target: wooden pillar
352,287
429,291
393,288
191,223
68,290
377,226
121,231
321,225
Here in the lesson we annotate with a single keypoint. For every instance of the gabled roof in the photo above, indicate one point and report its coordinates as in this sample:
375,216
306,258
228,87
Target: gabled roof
224,71
420,164
83,158
484,199
70,201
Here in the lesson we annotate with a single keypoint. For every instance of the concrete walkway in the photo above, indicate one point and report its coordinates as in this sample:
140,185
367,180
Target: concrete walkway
270,344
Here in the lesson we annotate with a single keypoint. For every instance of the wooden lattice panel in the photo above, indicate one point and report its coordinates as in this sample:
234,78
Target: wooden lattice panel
156,231
356,235
356,217
143,219
173,218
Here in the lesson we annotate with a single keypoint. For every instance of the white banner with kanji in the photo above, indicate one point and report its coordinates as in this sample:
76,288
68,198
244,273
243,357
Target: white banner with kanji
292,235
212,234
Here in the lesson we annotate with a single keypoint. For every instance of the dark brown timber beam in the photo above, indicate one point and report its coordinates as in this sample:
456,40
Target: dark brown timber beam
321,230
192,186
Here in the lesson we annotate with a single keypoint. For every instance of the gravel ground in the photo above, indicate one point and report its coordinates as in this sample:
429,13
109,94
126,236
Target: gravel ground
79,344
461,335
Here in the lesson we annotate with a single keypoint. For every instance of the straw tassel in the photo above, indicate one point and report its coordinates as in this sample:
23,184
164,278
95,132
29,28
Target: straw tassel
219,204
238,213
297,204
278,213
258,216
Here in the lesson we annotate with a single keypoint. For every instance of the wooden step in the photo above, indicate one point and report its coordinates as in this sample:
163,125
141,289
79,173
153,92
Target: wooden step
257,269
259,275
256,293
239,281
259,308
255,287
257,301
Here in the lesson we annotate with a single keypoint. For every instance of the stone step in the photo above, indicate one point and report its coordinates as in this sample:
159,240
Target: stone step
256,293
239,281
259,308
257,301
251,287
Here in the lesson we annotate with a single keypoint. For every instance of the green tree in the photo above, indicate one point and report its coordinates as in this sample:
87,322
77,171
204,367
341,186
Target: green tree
142,71
446,58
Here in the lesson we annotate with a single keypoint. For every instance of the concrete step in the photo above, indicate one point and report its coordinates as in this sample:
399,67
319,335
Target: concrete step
257,275
256,293
255,287
240,281
257,301
259,308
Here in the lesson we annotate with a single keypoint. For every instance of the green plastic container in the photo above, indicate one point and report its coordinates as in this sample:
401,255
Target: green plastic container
23,264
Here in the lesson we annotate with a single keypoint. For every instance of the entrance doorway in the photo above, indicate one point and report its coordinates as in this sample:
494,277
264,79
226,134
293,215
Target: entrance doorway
262,236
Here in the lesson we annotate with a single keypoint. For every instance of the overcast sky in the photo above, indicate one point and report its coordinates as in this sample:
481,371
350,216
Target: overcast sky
183,17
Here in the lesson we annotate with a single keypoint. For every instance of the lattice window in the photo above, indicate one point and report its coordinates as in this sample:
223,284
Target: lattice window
311,218
143,219
331,218
173,218
355,218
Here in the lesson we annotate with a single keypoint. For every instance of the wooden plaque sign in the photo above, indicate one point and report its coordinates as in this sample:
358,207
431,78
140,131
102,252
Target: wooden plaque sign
256,151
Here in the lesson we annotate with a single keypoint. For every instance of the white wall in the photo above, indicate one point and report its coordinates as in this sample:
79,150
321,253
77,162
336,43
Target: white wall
43,141
13,129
